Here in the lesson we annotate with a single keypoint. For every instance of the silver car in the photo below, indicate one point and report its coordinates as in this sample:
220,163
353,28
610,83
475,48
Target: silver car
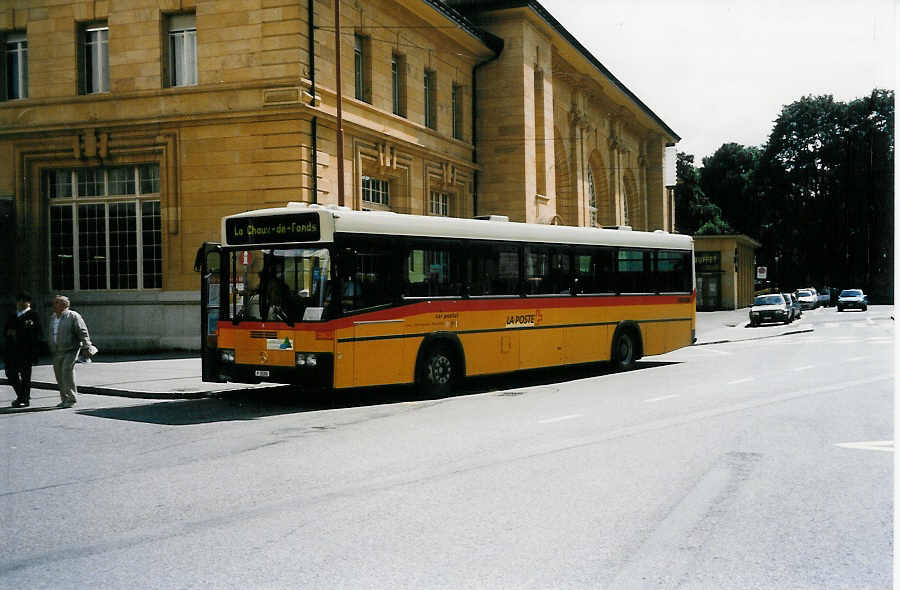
808,298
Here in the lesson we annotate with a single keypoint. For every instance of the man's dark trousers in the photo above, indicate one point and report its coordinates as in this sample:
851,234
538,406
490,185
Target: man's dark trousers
23,334
18,372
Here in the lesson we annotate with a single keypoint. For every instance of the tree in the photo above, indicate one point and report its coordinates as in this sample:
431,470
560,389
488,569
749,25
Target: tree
868,197
728,179
826,175
695,213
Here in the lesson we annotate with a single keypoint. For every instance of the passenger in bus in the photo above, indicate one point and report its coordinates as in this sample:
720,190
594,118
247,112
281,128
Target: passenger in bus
278,301
250,295
350,292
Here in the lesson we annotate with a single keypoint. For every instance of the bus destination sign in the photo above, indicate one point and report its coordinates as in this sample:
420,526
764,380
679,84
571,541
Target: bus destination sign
273,229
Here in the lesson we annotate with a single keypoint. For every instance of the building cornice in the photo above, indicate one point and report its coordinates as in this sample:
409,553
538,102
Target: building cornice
494,43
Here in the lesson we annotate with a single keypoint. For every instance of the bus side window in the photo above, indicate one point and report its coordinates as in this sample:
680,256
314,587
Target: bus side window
432,271
635,271
493,269
674,271
547,271
595,270
367,279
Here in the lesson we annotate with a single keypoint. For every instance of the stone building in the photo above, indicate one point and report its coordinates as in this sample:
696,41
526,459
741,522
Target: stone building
129,128
559,138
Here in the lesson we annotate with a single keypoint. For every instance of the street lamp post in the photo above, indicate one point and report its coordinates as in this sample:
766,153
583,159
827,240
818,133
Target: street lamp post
777,258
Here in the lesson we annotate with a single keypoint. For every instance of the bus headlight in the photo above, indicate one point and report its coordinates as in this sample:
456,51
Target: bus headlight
226,355
306,359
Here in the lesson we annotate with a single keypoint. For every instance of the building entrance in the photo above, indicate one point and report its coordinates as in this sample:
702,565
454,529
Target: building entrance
709,291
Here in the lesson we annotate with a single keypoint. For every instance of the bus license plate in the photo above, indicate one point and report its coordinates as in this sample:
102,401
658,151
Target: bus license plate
261,373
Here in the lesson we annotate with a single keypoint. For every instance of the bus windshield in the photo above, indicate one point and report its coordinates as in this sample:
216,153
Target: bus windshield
284,285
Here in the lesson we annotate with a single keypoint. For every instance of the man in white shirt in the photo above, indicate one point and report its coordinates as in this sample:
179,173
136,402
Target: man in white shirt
68,336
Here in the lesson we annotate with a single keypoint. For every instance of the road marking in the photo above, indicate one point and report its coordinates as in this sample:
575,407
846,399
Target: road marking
831,324
856,358
806,368
747,380
658,399
874,445
560,418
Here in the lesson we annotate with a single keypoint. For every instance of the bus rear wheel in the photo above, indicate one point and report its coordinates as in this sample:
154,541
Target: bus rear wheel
624,351
438,370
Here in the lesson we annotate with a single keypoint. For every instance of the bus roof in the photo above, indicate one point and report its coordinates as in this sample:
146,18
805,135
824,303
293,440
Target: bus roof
342,220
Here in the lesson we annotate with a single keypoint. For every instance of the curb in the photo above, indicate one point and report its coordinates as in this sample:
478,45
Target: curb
95,390
754,338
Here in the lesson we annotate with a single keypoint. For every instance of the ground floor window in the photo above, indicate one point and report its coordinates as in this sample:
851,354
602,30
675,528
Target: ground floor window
376,191
105,227
439,204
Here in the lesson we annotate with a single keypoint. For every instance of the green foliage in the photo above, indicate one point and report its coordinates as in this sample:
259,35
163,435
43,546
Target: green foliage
819,195
728,177
695,213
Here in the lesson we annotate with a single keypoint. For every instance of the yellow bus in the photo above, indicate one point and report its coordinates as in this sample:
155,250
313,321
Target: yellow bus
332,297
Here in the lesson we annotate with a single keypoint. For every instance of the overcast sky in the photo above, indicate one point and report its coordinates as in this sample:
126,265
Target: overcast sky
719,71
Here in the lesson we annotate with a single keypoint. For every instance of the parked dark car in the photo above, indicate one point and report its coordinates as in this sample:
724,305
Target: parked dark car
770,308
852,299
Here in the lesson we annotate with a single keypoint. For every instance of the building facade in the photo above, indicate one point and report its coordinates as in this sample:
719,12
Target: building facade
725,269
128,129
559,138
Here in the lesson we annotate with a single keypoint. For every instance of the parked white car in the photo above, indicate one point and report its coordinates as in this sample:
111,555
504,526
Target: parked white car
770,308
808,298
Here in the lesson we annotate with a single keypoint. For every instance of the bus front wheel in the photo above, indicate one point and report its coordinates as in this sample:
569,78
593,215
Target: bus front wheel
624,351
438,370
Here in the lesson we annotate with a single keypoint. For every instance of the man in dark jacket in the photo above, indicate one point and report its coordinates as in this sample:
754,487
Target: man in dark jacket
23,346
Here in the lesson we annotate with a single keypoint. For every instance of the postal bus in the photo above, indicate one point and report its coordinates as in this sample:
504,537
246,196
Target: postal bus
332,297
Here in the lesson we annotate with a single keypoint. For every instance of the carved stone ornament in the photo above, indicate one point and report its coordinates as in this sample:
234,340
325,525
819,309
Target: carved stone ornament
579,118
387,157
448,175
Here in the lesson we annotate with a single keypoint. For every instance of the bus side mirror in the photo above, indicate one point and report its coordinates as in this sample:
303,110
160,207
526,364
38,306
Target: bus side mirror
198,260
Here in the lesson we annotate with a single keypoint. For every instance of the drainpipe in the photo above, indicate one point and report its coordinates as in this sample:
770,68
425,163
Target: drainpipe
314,123
340,99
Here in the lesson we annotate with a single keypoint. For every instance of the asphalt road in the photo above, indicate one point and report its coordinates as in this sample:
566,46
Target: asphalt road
757,464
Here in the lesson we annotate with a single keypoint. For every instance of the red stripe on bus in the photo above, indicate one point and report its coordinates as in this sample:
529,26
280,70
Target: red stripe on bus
467,305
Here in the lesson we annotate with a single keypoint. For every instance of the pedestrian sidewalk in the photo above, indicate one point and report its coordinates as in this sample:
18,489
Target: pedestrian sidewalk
150,376
178,376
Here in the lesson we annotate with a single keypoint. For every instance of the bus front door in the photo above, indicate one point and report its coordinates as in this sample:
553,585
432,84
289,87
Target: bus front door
209,265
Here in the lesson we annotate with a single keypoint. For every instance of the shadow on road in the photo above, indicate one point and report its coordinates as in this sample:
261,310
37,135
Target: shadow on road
259,403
